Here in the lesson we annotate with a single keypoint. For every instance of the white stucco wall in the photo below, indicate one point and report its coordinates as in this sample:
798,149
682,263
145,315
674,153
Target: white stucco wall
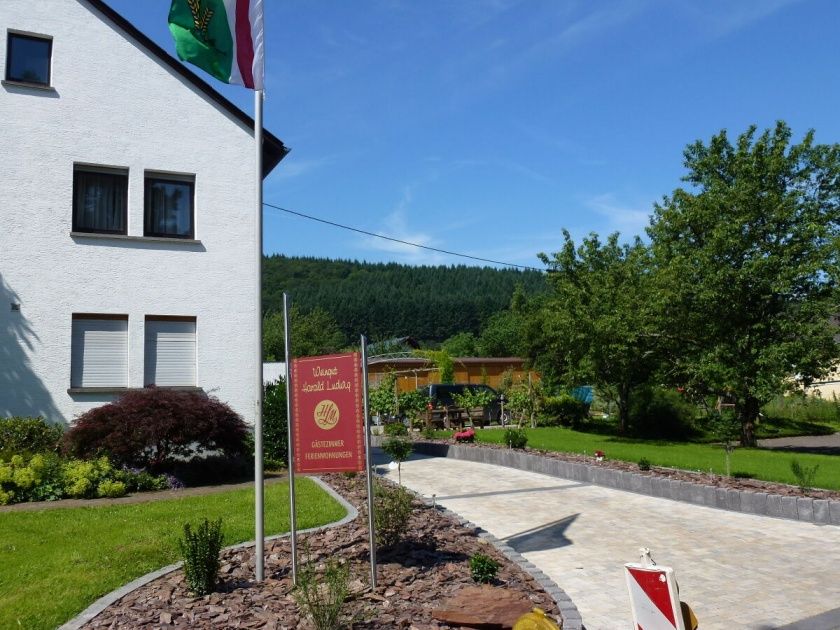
114,104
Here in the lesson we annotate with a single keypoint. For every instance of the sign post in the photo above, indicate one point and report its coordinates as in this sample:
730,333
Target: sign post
328,411
369,467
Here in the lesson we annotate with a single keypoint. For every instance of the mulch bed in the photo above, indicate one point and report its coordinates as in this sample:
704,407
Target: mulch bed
414,578
703,478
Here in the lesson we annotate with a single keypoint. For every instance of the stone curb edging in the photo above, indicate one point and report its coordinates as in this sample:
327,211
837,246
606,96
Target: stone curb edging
568,611
103,602
806,509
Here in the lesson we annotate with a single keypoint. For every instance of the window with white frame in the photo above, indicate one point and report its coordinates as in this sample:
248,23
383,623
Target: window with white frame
100,199
99,351
28,58
170,351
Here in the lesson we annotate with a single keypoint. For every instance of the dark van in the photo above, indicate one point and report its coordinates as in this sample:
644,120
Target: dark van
441,396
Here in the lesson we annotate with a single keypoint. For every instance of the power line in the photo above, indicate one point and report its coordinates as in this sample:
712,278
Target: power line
397,240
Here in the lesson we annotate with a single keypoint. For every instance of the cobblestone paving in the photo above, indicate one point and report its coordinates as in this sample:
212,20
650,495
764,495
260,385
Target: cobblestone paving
735,570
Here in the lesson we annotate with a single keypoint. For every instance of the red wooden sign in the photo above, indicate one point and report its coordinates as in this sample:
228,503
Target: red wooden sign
327,414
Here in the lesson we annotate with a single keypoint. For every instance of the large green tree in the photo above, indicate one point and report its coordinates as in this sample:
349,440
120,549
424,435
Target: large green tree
747,259
598,323
313,333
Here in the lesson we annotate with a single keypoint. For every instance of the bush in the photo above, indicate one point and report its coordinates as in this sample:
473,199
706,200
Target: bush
392,509
467,435
661,413
644,463
563,410
483,569
516,438
200,549
395,429
151,427
322,597
28,436
428,433
47,477
275,426
109,488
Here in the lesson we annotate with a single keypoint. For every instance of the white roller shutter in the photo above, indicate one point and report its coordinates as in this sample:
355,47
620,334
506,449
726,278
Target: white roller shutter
99,349
170,353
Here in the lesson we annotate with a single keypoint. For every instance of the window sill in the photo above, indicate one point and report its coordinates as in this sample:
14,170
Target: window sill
123,390
136,239
24,84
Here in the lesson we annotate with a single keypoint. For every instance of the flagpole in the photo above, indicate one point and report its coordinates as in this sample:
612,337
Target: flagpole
259,506
287,331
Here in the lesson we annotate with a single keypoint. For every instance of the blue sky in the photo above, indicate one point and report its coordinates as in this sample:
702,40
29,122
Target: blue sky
488,126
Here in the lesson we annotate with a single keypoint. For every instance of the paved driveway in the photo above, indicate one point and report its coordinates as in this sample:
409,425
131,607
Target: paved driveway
735,570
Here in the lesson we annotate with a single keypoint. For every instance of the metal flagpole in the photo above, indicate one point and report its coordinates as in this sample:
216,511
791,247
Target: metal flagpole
290,436
259,507
368,465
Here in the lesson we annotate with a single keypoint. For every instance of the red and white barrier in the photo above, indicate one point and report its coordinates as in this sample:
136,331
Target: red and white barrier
655,596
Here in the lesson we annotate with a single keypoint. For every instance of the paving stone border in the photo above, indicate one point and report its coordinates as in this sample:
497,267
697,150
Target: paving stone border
106,600
818,511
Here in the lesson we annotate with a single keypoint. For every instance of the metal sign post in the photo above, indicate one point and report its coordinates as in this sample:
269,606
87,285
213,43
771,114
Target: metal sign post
369,465
289,423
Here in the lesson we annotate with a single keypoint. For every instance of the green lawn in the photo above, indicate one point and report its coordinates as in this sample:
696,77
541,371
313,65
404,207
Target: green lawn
761,464
54,563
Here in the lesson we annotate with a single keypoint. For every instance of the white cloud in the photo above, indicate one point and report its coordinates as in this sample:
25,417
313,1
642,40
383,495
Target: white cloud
629,220
292,166
396,225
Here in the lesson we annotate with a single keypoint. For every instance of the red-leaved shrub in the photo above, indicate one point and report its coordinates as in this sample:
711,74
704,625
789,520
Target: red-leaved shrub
151,427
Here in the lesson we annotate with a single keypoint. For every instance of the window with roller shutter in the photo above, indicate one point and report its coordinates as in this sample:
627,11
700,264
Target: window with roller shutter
170,351
99,349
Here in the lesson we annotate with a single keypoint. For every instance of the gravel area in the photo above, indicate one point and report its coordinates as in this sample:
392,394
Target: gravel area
415,578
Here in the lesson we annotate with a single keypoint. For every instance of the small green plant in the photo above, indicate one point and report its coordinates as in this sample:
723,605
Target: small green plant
428,433
395,429
200,549
321,596
391,511
516,438
644,463
110,489
805,475
483,569
398,449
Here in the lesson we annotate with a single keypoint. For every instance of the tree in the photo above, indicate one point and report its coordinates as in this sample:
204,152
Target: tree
461,345
382,398
748,266
598,323
313,333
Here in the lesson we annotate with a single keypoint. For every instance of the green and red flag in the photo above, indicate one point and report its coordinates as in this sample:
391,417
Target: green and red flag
222,37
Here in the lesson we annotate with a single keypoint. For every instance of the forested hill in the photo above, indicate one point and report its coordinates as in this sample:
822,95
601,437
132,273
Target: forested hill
385,300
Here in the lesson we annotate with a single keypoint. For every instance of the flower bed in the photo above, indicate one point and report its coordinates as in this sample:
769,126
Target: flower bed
415,576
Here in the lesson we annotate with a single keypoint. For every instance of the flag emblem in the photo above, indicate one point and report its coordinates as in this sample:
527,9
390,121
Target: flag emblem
222,37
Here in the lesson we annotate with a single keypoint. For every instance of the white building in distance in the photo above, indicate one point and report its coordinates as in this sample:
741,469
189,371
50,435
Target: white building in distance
127,233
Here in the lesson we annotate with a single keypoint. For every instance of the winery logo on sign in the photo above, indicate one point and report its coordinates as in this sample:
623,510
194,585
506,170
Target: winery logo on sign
326,414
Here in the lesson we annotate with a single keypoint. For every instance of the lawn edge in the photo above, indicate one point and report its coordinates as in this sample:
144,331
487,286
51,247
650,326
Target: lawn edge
108,599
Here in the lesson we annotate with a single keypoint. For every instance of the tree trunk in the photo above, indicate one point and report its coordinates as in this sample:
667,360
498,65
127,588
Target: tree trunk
623,408
747,415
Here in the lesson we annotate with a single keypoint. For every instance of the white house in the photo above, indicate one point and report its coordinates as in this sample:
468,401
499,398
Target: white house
127,237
